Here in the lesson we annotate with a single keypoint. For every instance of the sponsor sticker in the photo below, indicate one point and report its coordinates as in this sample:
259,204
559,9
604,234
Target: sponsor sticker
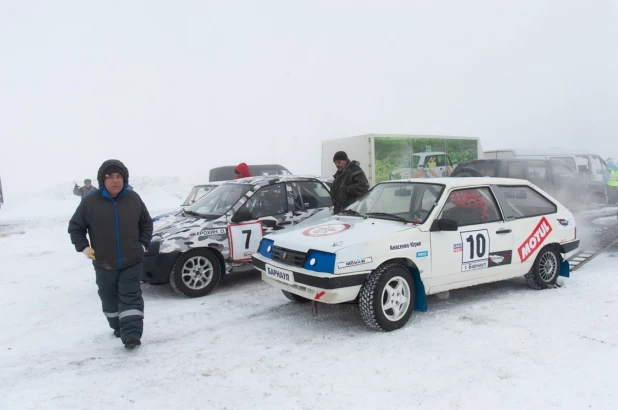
500,258
565,223
458,247
422,254
355,262
326,230
405,245
474,266
216,231
535,240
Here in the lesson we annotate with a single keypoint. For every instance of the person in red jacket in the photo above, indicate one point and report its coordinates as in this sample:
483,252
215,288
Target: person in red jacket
242,171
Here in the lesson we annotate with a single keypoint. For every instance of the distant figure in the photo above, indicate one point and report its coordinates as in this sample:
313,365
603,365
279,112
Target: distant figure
611,182
350,182
87,189
242,171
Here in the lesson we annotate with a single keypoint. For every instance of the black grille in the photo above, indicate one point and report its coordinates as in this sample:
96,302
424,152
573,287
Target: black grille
288,257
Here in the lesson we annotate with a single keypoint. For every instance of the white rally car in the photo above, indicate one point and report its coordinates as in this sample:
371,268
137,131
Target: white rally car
407,239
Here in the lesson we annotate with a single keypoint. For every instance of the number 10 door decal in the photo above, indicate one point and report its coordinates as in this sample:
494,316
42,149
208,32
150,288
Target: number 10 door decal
245,240
475,252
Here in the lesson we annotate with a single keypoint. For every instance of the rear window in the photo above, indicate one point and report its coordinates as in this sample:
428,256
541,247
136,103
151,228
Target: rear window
485,168
524,202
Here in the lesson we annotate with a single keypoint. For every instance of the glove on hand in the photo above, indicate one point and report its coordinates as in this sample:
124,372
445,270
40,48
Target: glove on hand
89,253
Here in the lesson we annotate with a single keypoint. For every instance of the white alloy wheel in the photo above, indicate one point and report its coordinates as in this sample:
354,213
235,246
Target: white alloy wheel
395,299
197,272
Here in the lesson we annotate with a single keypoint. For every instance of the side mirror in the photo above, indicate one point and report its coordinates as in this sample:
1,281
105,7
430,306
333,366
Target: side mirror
446,225
242,216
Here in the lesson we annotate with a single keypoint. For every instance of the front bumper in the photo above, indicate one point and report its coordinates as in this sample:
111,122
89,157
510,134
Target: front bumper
323,287
157,268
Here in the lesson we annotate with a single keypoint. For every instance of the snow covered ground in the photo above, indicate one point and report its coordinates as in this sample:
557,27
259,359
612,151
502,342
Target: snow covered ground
246,346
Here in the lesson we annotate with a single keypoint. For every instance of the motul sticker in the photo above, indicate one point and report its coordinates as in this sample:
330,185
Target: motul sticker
535,240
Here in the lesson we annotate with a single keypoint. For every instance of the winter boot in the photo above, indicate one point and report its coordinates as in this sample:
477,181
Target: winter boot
132,341
117,332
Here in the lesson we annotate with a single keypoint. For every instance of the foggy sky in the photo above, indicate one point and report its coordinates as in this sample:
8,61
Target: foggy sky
176,88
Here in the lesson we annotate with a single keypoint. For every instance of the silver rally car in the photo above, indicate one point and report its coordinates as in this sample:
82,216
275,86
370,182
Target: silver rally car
219,232
407,239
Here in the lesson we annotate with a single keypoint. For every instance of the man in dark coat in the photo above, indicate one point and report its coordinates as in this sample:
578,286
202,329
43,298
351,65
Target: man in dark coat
350,182
120,229
87,189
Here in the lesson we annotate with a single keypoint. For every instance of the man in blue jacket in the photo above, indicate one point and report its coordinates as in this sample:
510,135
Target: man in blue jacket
120,229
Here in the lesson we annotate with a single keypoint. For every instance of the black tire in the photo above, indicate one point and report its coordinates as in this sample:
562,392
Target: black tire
546,269
295,298
195,267
597,198
466,172
372,297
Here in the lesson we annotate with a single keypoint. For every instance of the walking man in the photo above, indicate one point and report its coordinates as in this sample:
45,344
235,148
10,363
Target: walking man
120,228
350,182
611,182
87,189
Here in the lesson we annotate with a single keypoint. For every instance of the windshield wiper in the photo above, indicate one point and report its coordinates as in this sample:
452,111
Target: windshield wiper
387,215
349,212
192,213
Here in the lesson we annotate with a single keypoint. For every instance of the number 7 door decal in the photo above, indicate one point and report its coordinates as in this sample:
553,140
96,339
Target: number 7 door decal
248,233
244,240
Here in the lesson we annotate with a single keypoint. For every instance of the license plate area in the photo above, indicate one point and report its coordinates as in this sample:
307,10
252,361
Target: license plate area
282,275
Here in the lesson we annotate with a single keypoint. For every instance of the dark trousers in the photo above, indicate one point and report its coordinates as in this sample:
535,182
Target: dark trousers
612,194
121,297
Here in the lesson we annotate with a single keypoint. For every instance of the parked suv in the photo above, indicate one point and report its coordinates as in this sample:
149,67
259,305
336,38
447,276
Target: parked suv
226,173
554,177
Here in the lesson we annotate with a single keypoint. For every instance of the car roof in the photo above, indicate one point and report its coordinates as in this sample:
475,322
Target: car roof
456,182
272,179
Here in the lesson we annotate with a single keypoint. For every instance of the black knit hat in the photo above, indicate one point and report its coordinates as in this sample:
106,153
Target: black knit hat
109,167
340,156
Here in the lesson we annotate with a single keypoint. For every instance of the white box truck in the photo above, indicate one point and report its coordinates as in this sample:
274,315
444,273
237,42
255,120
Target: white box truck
402,156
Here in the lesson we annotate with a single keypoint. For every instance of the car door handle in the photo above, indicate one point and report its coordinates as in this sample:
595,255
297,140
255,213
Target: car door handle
501,231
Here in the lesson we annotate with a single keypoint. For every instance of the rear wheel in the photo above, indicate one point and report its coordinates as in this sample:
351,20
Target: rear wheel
546,269
387,298
295,298
196,273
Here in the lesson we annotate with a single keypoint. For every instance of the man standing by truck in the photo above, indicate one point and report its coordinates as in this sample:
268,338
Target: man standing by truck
611,181
350,182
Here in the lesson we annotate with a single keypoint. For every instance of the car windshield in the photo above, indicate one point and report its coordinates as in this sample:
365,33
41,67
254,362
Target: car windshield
405,201
196,193
218,201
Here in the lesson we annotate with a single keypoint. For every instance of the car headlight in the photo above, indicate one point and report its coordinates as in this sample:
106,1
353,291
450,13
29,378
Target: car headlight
266,248
319,261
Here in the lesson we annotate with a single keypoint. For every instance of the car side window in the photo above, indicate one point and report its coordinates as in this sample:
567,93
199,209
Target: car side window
537,170
597,165
310,195
268,201
516,170
525,202
563,171
471,207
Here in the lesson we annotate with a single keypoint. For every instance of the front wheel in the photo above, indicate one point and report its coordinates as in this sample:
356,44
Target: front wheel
387,298
196,273
545,270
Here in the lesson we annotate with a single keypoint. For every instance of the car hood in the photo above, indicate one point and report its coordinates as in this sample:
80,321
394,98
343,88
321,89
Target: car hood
185,225
337,232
